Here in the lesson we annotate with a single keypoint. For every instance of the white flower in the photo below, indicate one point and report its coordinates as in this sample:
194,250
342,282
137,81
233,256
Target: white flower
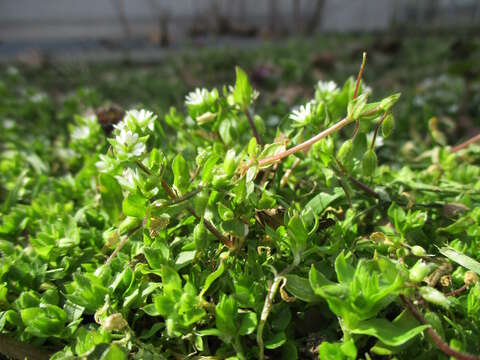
80,133
128,144
126,138
302,114
200,97
129,180
139,118
106,164
326,87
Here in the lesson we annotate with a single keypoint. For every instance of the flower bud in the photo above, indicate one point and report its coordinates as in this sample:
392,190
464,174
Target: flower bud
420,271
345,152
388,125
229,164
111,237
434,296
369,162
418,250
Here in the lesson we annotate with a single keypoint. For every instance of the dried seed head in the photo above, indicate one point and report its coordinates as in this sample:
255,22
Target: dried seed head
114,322
446,280
470,278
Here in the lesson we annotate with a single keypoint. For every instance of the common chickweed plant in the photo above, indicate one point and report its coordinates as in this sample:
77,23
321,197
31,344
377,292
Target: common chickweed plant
206,235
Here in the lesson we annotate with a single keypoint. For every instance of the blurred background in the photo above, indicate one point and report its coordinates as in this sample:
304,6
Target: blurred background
93,54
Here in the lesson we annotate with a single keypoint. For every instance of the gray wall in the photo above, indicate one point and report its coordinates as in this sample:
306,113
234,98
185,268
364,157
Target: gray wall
67,19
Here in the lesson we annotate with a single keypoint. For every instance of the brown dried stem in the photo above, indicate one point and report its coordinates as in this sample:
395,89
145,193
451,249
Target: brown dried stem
465,144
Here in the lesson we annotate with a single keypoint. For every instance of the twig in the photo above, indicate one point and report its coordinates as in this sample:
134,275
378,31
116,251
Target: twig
465,144
441,345
355,92
253,127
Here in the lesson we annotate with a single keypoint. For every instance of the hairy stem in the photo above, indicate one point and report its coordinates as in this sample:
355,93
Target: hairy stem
306,144
441,345
465,144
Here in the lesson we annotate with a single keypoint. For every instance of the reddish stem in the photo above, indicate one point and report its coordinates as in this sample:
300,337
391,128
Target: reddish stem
465,144
441,345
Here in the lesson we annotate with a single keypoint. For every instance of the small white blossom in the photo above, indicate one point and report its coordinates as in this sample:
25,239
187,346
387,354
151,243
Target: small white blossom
200,97
141,119
106,164
326,87
129,180
128,144
302,114
81,133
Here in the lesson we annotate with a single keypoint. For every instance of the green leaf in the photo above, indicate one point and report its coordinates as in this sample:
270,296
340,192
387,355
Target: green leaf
111,193
44,321
212,277
318,204
226,316
248,323
114,352
344,270
276,340
300,288
386,331
135,205
242,93
461,259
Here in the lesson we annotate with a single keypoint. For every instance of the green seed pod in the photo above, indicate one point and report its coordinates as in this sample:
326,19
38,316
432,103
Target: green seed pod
229,164
344,154
388,125
369,162
200,202
420,271
434,296
200,236
387,103
418,250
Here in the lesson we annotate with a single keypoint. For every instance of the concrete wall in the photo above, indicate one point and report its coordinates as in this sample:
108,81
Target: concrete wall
81,19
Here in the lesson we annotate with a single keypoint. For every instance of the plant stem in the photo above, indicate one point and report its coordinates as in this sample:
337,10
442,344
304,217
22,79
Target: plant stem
458,291
441,345
253,127
121,244
465,143
305,145
357,86
267,306
360,73
264,316
225,241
